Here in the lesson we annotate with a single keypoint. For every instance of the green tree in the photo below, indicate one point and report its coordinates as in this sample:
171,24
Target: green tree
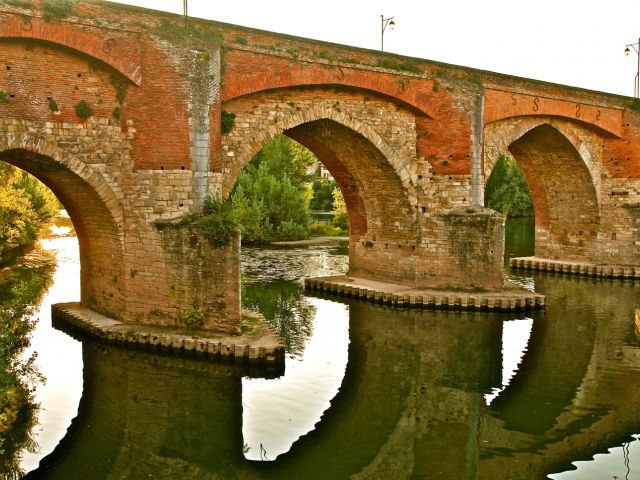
340,215
269,207
43,201
26,205
507,190
18,222
285,157
322,195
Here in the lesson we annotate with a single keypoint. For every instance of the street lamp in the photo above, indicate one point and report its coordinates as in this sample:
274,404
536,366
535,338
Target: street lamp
627,51
385,22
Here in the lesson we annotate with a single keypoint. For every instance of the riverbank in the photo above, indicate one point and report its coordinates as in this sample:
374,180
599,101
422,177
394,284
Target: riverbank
312,240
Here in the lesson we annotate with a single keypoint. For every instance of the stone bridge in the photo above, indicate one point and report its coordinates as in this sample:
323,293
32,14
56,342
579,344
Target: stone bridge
119,111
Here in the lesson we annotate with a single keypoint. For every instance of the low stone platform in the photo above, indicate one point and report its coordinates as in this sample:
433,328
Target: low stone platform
512,298
576,268
259,347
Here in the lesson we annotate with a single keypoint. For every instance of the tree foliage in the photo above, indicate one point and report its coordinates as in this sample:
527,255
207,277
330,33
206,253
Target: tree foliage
286,158
25,206
271,197
269,207
340,215
323,195
507,190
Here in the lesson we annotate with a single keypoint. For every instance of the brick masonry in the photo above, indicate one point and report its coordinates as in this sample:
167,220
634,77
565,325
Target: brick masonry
411,143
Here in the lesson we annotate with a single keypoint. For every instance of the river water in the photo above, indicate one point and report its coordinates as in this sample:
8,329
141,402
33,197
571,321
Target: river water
368,392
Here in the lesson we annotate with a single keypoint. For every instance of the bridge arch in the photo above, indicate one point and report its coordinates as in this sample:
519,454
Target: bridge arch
372,173
94,208
120,53
558,161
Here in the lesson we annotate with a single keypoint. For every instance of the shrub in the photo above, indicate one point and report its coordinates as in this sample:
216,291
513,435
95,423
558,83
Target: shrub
218,220
291,231
324,229
228,122
83,110
57,9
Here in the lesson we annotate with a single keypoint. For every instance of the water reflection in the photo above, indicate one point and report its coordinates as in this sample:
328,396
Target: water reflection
411,404
377,392
519,237
279,411
286,309
59,356
21,290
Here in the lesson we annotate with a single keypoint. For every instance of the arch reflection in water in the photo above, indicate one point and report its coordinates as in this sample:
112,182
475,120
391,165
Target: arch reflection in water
277,412
515,337
59,357
411,402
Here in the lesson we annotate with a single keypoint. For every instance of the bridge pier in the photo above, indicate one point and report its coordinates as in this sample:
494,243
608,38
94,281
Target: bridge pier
461,249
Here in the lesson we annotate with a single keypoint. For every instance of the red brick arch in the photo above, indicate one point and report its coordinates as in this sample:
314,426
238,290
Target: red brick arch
501,134
247,73
119,52
503,104
562,181
261,137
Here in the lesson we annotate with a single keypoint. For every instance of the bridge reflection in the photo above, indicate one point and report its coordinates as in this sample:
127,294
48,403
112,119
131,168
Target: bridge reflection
411,404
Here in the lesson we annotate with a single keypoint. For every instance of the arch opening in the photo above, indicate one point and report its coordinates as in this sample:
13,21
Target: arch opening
375,194
508,193
99,233
564,196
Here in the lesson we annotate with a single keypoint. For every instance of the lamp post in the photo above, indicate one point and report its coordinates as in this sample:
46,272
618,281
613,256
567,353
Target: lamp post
385,22
627,51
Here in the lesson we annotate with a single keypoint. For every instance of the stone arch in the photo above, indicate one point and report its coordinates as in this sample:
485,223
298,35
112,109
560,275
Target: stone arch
95,209
371,173
558,162
502,133
319,113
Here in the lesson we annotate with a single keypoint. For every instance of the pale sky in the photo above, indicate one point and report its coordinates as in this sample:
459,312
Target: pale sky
573,42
